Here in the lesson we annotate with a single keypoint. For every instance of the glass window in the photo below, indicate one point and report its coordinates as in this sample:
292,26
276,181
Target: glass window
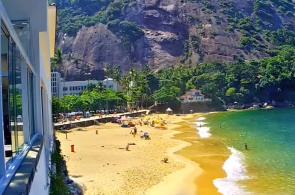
19,61
5,93
11,61
31,102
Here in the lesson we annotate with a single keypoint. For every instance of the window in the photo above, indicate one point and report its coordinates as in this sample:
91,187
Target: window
31,102
191,98
65,89
11,60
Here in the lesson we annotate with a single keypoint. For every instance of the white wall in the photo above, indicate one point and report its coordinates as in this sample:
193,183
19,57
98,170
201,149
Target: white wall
68,84
35,11
110,83
39,186
195,99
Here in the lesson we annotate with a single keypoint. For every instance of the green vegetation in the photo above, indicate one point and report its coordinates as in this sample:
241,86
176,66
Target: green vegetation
245,82
73,14
264,80
94,98
263,27
128,31
57,184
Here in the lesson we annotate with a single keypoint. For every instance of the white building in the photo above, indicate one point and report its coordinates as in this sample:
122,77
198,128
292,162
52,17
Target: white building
27,43
55,83
60,88
192,95
110,84
74,87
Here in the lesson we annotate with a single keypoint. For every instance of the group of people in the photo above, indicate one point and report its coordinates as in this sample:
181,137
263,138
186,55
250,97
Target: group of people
153,121
144,134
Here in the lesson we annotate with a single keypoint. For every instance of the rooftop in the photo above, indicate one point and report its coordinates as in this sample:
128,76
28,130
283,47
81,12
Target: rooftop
193,90
187,96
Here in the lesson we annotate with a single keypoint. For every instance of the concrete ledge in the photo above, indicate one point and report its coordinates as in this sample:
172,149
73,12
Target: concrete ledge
20,184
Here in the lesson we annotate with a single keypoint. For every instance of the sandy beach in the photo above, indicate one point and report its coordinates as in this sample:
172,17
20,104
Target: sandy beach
102,165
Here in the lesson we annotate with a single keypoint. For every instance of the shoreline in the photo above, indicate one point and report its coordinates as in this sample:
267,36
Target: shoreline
170,185
100,165
203,151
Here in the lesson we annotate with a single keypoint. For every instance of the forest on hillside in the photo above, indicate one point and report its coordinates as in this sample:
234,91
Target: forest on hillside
268,80
263,27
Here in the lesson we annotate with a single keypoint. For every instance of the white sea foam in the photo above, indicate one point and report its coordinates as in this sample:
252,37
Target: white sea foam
204,132
202,129
235,171
201,118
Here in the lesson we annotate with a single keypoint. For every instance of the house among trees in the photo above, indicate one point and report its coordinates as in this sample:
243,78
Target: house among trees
192,95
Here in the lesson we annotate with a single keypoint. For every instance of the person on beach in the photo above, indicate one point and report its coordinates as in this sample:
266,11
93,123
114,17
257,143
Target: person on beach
145,135
153,123
246,146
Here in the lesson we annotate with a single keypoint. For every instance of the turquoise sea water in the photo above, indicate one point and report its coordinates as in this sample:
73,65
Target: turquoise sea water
268,167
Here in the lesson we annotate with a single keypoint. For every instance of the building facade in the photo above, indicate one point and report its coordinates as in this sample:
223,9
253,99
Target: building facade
192,95
55,83
26,135
60,88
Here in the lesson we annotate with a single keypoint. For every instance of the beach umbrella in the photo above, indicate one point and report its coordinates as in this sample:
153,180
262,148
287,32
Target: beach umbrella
169,111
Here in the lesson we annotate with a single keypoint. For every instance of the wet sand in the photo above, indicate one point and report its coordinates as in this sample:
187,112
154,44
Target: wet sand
204,152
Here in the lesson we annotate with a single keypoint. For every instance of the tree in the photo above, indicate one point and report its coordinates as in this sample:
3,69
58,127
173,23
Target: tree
167,94
231,92
55,105
107,70
117,74
57,60
69,103
100,88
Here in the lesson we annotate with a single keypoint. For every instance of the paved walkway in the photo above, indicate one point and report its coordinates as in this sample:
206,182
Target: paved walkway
101,118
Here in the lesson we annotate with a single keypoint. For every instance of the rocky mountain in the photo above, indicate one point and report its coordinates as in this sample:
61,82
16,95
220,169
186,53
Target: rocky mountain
164,33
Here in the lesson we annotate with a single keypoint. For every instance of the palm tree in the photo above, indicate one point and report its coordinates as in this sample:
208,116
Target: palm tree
56,61
100,87
144,98
107,70
117,74
133,73
125,81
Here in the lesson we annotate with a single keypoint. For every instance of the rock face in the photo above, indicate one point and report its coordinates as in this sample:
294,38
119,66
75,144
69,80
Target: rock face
175,31
93,46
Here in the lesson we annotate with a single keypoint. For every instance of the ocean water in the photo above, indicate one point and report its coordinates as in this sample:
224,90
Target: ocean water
268,166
